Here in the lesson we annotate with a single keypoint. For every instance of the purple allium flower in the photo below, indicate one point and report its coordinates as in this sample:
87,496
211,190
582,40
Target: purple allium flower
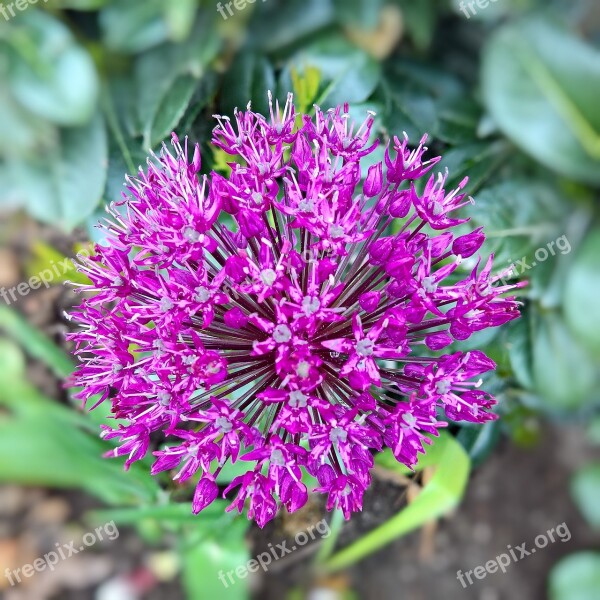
296,332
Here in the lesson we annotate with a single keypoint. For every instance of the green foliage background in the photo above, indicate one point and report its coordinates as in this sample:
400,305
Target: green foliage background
509,96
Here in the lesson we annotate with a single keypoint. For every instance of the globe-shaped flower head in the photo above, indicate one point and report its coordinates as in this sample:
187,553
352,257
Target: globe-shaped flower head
286,315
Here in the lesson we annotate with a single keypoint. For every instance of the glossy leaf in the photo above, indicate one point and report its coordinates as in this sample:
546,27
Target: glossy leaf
585,489
564,374
582,306
576,577
541,84
347,74
48,61
207,560
35,342
248,79
42,444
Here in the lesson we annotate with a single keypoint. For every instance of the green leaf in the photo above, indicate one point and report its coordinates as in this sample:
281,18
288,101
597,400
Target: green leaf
46,65
364,13
248,79
585,489
480,441
479,161
170,110
520,352
64,186
42,443
276,25
46,256
431,457
421,18
518,216
158,71
581,305
35,342
441,495
180,18
133,26
423,99
305,87
348,74
22,133
564,375
576,577
208,559
541,84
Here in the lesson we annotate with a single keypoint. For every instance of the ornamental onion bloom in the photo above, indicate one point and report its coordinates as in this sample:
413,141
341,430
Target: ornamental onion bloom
286,316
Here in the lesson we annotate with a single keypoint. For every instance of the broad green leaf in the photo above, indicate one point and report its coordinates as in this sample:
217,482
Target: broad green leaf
480,441
35,342
133,26
585,489
564,375
276,25
171,109
41,450
576,577
159,70
422,99
180,18
22,133
431,457
208,560
248,79
519,216
64,186
364,13
442,494
44,443
421,18
479,161
541,84
519,334
45,64
581,303
348,74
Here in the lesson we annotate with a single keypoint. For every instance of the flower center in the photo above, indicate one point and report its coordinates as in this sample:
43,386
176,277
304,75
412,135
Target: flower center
298,399
202,294
310,305
365,347
268,276
443,386
338,434
282,334
224,425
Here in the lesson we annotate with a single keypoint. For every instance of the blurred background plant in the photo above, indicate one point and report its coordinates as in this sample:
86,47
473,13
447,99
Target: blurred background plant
508,95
